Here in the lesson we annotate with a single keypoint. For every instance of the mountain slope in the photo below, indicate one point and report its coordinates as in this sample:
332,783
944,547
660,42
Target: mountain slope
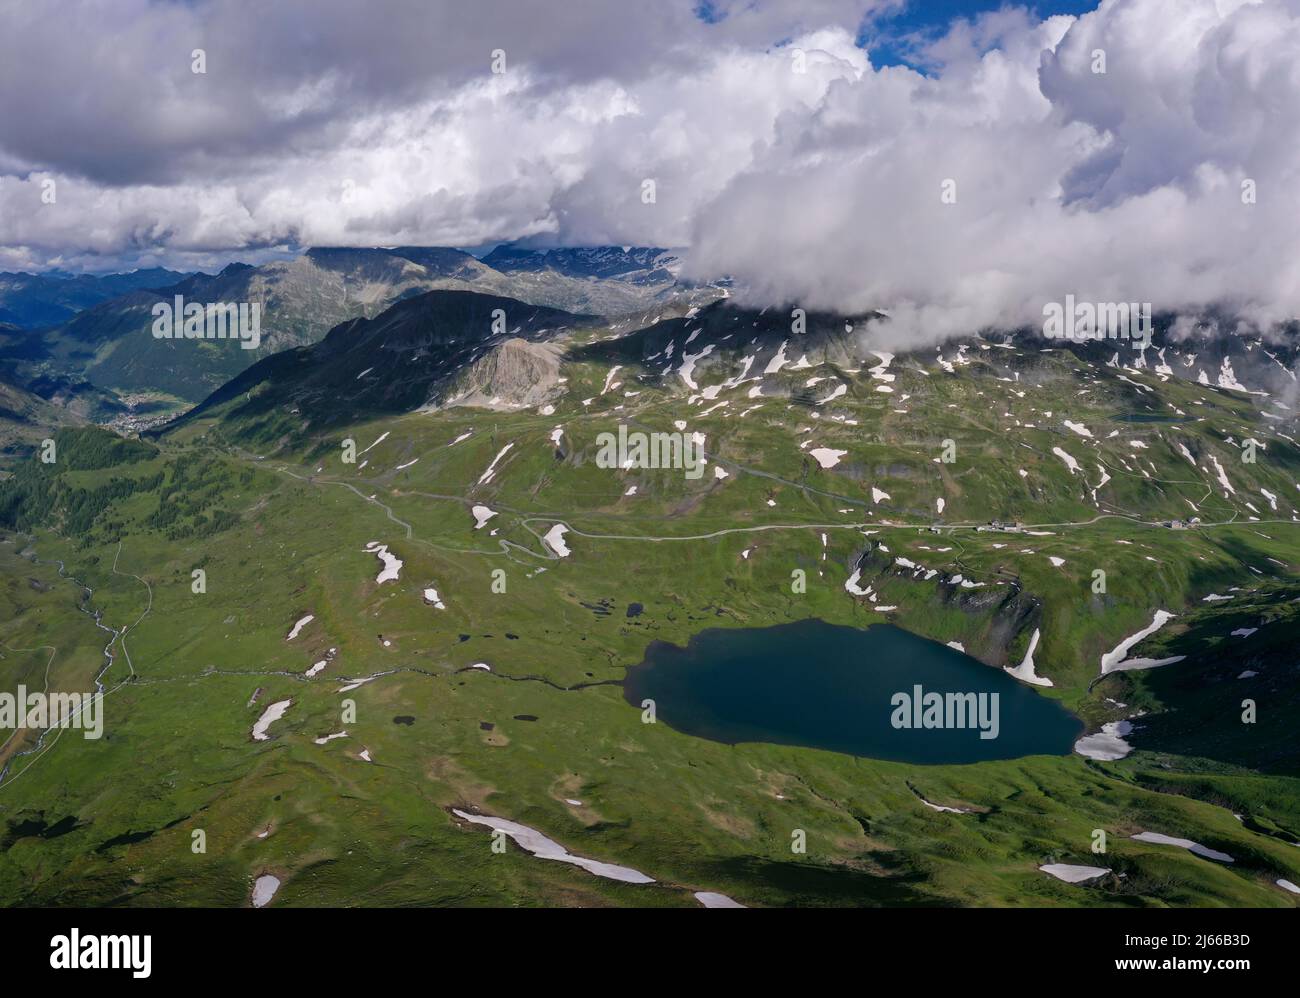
403,359
1211,351
26,418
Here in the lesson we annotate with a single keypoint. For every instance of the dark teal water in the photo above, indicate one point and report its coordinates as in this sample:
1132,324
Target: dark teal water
830,687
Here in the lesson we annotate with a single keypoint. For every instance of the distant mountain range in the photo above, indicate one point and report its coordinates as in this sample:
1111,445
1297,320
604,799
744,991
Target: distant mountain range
106,351
31,301
111,345
633,264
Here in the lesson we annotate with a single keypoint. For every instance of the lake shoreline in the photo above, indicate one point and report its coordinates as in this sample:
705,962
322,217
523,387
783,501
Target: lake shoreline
826,686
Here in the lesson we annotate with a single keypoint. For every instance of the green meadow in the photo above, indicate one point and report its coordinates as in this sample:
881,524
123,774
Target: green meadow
261,502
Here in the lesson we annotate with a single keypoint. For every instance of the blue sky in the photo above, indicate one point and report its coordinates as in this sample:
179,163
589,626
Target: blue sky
884,39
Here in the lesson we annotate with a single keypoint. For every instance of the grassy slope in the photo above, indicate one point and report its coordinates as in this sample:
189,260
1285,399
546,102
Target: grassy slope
692,814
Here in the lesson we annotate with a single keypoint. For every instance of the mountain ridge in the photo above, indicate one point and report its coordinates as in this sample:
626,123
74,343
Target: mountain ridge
396,361
111,345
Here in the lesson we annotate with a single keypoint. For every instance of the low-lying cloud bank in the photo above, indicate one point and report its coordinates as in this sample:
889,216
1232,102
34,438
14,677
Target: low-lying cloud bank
1169,178
1145,152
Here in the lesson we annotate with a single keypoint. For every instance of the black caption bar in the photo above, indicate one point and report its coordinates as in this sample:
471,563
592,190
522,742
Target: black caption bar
326,947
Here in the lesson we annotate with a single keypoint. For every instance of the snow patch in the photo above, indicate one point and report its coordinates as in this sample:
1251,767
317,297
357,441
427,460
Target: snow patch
711,899
1069,460
1194,847
554,540
1108,744
300,625
1073,874
533,841
392,564
264,889
1115,659
1025,670
269,716
827,457
491,468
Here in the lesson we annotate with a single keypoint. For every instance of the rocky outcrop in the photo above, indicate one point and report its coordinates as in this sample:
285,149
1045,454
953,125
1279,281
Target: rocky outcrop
515,374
